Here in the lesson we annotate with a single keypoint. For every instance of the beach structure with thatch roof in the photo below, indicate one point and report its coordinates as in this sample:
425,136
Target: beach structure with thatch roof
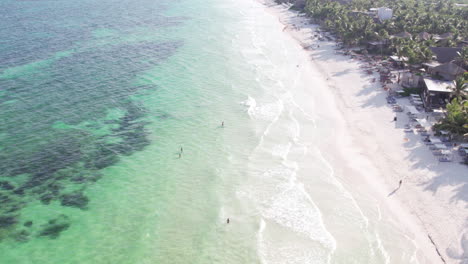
449,71
436,93
445,54
423,36
447,35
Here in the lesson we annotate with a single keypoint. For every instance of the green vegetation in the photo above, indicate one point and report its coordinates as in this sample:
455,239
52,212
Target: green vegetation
352,25
462,58
456,120
408,91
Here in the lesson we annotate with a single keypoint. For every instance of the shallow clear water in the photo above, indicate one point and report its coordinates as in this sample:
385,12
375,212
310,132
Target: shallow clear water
97,98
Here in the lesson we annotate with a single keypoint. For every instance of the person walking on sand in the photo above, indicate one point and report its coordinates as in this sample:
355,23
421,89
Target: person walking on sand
395,119
227,221
399,184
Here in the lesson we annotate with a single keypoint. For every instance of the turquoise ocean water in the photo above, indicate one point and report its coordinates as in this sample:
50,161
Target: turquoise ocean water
97,99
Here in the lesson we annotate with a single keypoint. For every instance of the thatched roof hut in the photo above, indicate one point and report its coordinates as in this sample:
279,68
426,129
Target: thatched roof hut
449,71
445,54
423,36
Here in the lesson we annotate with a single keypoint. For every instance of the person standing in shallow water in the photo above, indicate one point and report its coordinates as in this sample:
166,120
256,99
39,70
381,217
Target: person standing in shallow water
227,221
181,150
222,124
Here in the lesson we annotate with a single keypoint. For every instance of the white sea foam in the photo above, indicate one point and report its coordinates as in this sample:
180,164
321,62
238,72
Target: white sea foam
332,179
294,209
281,150
382,248
267,111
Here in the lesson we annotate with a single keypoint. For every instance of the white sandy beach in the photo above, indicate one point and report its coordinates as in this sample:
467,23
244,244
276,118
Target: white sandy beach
372,153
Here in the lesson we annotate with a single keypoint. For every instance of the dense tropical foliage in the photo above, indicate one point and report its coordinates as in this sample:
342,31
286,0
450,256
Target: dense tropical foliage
353,25
456,121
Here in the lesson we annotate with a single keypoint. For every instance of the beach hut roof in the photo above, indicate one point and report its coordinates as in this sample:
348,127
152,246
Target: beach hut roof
446,35
431,64
449,68
438,86
445,54
424,36
443,36
399,59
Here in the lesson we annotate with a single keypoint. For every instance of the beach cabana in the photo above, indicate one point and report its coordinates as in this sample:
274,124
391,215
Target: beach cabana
436,93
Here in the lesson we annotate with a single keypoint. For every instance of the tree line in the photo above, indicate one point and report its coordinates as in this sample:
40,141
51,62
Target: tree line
352,24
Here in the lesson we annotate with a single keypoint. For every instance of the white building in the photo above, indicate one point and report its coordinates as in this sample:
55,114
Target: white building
384,13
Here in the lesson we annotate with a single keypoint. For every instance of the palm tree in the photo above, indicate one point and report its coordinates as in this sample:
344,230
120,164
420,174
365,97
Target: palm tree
460,88
456,119
462,58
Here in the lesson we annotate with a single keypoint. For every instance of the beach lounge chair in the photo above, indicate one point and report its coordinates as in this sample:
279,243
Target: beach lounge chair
463,152
435,140
397,108
445,159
